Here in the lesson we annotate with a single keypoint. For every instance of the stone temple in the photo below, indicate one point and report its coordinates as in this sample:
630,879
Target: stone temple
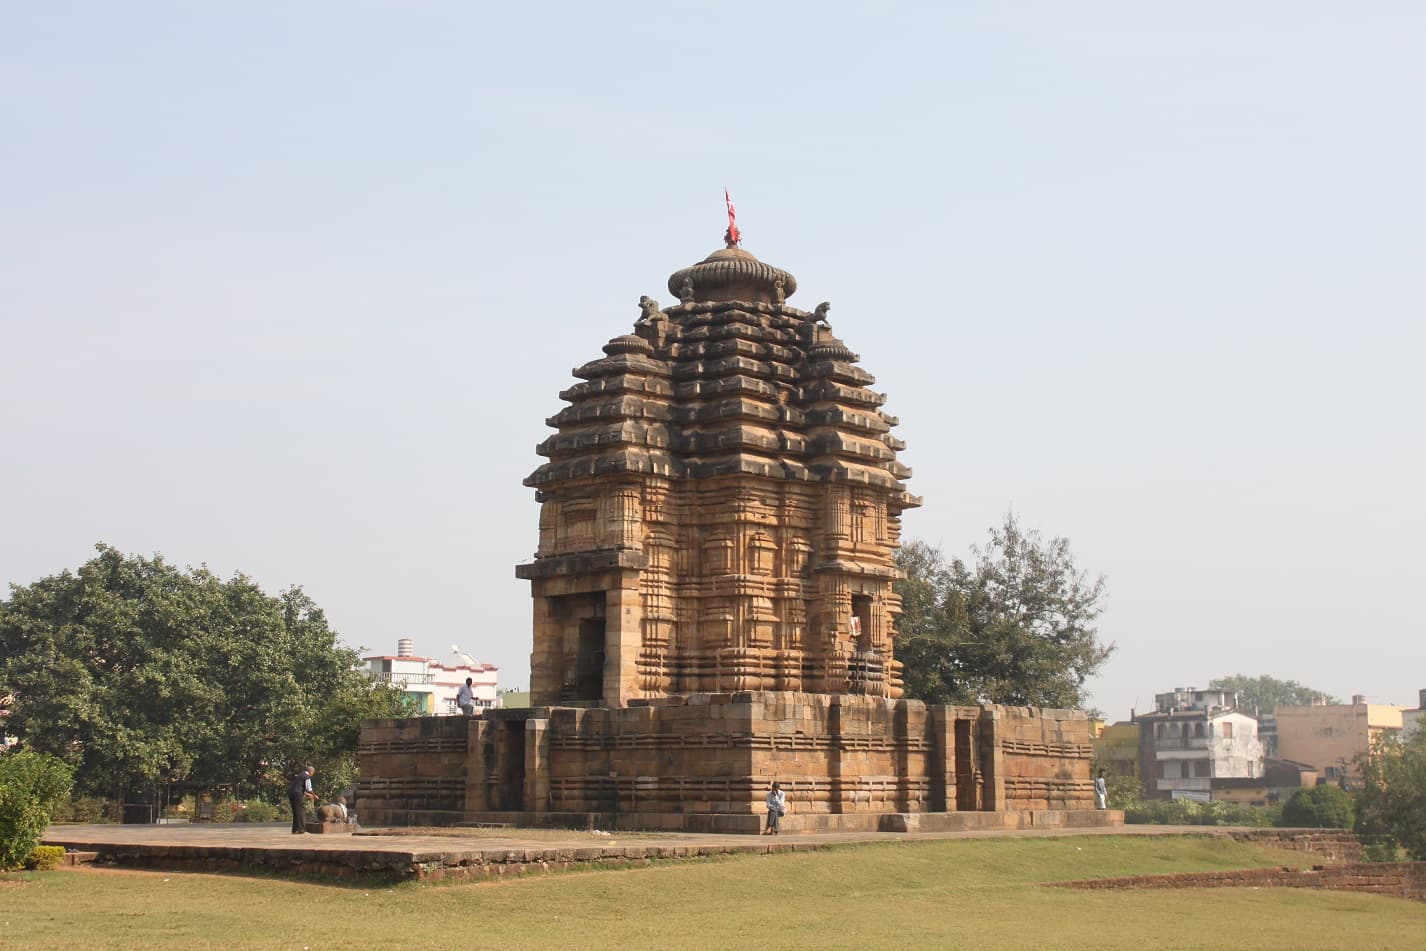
714,607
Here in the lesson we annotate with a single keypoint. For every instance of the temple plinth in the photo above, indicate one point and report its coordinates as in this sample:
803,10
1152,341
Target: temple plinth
720,505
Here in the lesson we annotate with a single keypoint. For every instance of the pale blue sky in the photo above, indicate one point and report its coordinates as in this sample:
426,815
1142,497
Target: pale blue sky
290,289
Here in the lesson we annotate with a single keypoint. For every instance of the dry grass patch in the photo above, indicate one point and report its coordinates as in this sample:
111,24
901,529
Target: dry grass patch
984,893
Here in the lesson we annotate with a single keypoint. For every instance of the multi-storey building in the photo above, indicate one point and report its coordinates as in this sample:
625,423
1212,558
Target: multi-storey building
1331,736
430,684
1193,737
1116,749
1411,719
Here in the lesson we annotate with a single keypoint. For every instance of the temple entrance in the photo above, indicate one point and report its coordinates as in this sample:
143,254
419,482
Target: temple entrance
965,769
510,767
589,661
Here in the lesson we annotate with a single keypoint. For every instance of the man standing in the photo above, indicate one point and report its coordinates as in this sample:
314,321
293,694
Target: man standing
1101,792
298,792
465,698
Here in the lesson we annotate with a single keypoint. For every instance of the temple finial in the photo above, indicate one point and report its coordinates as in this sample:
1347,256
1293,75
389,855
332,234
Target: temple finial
732,237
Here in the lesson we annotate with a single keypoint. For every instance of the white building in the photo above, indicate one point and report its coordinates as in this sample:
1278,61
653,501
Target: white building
1193,737
430,683
1411,719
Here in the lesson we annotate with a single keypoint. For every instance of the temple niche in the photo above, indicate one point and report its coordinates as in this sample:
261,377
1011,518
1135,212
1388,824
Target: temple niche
714,609
720,505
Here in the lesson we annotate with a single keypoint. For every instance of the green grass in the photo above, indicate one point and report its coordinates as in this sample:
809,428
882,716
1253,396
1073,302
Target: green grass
983,893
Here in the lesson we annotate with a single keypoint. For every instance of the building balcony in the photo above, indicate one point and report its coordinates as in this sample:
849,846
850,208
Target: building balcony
402,680
1180,742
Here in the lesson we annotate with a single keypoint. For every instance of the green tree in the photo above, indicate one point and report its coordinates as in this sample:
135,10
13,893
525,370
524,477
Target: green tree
137,672
1265,694
32,786
1319,807
1392,797
1013,626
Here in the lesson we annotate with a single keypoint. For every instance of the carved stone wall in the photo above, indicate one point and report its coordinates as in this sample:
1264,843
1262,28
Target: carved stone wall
704,761
722,495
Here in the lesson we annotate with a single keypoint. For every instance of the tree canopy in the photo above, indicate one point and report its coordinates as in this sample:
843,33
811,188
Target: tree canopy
1015,625
136,672
1392,797
1265,694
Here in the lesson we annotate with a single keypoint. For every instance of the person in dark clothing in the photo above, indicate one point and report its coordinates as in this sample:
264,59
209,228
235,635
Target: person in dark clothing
298,792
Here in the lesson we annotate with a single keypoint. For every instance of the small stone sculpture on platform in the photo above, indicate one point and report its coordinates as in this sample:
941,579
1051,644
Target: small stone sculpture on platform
333,811
649,311
779,290
819,316
685,291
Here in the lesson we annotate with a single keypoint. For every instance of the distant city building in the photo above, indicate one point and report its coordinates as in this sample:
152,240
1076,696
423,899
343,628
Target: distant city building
1192,738
1411,719
1267,734
1279,780
431,684
1116,749
1331,736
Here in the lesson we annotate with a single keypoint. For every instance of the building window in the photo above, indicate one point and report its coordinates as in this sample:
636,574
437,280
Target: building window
1227,731
1198,729
1200,768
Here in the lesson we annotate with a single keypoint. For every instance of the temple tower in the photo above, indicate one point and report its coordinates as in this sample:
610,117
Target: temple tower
720,506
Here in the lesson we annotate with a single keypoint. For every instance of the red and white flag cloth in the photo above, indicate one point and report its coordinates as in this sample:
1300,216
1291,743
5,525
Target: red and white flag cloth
733,236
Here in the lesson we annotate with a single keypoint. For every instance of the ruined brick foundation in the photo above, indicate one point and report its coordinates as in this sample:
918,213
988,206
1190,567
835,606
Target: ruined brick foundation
703,763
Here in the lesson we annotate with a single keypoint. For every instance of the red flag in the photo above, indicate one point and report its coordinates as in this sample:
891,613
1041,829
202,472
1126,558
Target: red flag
733,236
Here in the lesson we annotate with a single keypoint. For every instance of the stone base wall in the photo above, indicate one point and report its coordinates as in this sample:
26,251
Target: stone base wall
714,755
1398,879
1338,845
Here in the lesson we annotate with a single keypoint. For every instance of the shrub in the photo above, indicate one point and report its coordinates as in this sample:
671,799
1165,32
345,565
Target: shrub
87,809
1319,807
253,810
44,858
1186,812
32,786
1382,849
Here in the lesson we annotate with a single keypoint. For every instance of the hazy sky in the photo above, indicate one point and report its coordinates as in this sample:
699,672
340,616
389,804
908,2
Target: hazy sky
290,289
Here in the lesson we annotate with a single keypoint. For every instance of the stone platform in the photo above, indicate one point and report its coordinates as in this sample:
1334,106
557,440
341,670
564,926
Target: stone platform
805,823
398,854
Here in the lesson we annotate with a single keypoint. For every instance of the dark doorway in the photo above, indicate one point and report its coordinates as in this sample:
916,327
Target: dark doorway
589,662
510,767
965,769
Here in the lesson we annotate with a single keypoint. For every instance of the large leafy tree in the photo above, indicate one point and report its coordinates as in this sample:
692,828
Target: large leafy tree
1392,797
1265,694
136,672
1014,625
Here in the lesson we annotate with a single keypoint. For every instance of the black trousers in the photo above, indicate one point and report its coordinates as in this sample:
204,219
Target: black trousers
299,811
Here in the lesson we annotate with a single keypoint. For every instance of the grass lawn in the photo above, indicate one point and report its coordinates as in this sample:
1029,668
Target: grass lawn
966,893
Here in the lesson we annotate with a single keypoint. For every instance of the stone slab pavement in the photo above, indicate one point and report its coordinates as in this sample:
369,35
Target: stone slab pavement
432,845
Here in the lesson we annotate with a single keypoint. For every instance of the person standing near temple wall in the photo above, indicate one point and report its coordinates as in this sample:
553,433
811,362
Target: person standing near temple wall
298,792
776,801
465,697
